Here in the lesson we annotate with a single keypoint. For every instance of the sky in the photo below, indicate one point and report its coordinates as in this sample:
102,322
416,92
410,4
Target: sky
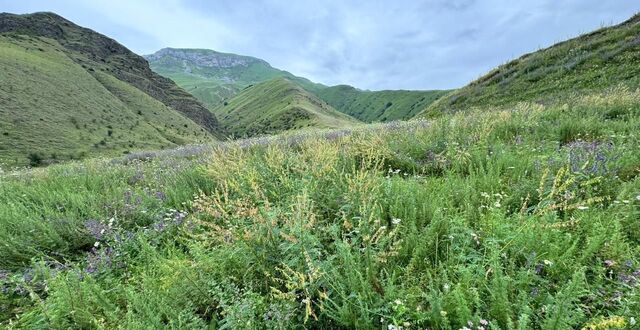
393,44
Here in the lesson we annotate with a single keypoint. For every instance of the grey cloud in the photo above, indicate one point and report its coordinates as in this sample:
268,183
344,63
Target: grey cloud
372,44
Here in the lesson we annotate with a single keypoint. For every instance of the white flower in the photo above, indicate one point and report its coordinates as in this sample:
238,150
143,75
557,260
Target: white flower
582,207
396,221
497,204
96,244
446,287
638,198
632,320
398,302
547,262
392,327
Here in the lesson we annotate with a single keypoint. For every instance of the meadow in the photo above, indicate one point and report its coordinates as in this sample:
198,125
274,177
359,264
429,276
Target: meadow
520,217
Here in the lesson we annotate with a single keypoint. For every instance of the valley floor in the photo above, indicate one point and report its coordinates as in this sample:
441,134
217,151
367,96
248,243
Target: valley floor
526,217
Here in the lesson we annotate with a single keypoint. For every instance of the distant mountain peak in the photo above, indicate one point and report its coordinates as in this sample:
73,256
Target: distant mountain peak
204,58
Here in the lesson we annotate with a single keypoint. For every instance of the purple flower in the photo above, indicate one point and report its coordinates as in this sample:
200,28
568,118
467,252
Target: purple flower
336,134
535,291
590,157
28,275
99,259
161,196
97,229
178,217
159,226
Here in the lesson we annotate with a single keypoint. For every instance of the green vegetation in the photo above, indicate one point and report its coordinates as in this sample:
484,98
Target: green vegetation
52,109
521,212
68,92
524,217
274,106
379,106
590,63
214,78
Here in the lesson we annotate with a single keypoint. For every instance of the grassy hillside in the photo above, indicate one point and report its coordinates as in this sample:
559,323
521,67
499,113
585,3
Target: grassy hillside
592,62
215,77
96,52
68,92
526,218
51,108
378,106
274,106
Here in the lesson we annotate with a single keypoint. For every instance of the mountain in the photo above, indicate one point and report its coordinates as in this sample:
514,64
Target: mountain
277,105
67,91
215,77
602,59
370,106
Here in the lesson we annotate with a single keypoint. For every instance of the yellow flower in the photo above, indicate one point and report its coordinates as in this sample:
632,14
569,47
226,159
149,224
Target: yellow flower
614,322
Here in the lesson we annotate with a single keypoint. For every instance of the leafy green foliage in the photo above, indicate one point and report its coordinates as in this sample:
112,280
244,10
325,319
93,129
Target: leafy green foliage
494,218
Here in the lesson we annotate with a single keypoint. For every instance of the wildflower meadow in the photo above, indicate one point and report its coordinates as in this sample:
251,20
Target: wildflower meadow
522,217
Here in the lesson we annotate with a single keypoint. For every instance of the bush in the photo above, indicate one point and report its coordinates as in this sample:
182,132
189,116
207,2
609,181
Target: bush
35,159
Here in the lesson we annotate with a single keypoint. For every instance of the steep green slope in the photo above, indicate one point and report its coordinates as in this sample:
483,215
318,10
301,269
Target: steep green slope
592,62
96,52
67,92
51,108
215,77
370,106
277,105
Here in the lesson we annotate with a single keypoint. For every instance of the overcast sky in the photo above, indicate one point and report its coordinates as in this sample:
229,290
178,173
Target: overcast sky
394,44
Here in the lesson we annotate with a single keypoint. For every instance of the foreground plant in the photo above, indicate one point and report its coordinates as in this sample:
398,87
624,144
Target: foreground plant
483,220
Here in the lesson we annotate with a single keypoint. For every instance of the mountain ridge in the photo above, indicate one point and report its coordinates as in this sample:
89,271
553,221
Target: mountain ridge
96,48
67,92
275,106
214,84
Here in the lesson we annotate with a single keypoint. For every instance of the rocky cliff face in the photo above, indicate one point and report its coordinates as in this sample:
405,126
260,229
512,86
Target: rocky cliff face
98,52
204,58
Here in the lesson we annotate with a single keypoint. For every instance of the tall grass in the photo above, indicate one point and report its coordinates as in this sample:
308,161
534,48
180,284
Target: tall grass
490,219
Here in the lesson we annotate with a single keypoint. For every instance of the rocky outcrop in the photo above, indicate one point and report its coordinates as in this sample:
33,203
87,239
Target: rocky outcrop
204,58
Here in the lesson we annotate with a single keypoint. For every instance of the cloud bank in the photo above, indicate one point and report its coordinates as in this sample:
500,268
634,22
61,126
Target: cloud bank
430,44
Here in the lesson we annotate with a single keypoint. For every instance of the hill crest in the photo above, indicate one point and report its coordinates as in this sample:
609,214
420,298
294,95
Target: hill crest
94,51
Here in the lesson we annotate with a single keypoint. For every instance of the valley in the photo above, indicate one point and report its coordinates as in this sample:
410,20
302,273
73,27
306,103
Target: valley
195,189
